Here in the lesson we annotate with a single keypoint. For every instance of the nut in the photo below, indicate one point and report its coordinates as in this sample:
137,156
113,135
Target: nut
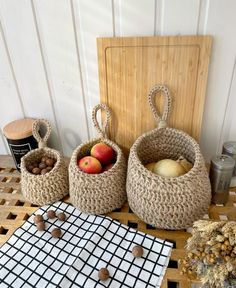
30,167
43,160
38,218
34,164
56,233
49,168
137,251
61,216
44,171
36,171
103,274
50,162
51,214
42,165
40,226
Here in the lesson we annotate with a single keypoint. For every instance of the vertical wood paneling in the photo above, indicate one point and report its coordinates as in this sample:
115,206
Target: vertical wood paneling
55,24
92,19
134,17
10,104
221,24
23,45
230,112
229,128
203,16
3,148
180,17
159,12
48,59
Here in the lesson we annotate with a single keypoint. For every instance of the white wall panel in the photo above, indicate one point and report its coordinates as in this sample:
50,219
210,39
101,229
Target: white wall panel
21,38
230,114
55,23
134,17
221,24
179,17
10,104
203,16
92,19
48,59
3,148
229,123
159,12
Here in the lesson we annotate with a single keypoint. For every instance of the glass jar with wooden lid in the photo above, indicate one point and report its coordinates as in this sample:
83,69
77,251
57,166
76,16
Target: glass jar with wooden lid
20,138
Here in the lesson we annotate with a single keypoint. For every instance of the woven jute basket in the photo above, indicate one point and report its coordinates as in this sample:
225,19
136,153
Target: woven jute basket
168,203
52,186
98,193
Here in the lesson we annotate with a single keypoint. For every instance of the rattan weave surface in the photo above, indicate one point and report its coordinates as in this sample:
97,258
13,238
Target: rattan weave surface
14,210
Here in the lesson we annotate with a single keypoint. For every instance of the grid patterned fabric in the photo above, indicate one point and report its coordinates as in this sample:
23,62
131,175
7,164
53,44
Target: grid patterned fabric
32,258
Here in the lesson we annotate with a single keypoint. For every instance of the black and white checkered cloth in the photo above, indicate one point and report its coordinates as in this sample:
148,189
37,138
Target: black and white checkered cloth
32,258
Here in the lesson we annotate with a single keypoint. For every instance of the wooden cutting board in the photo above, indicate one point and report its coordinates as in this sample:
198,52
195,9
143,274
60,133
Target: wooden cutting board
130,66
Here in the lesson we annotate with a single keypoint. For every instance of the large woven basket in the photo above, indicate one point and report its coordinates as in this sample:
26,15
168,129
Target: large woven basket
169,203
98,193
52,186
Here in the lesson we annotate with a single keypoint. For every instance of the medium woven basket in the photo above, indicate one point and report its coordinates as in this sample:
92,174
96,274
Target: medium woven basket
98,193
50,187
168,203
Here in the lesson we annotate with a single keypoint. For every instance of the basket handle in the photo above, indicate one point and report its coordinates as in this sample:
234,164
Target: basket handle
161,120
101,130
42,142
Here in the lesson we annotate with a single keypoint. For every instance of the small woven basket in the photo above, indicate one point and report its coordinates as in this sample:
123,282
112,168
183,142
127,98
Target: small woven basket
98,193
168,203
50,187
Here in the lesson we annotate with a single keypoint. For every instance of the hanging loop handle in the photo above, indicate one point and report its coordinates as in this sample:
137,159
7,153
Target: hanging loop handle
101,130
161,120
42,142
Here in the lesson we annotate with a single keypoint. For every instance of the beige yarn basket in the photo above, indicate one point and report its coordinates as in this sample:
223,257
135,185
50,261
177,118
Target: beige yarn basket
98,193
168,203
52,186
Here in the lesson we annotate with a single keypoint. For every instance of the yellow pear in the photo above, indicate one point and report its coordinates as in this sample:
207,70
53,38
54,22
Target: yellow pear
168,168
185,163
150,166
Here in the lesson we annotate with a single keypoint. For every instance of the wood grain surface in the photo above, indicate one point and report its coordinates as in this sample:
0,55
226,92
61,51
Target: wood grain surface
129,67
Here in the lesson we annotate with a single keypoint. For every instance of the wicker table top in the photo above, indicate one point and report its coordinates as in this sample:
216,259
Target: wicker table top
14,210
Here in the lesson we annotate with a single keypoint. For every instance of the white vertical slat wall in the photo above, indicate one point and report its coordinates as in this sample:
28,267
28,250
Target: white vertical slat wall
62,68
219,116
92,19
48,60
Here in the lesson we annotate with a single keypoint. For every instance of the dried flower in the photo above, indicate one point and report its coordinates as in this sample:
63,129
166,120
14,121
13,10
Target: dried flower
211,253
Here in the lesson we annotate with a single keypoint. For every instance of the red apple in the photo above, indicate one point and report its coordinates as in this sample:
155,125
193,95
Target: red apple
104,153
108,167
89,165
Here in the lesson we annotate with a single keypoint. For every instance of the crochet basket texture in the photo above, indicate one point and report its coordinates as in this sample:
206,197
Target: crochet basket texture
52,186
167,203
98,193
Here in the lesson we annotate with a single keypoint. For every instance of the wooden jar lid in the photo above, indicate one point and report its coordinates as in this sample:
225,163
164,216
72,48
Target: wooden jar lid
19,129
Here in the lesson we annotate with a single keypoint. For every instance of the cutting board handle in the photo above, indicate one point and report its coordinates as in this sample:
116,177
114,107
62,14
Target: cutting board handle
161,120
101,130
